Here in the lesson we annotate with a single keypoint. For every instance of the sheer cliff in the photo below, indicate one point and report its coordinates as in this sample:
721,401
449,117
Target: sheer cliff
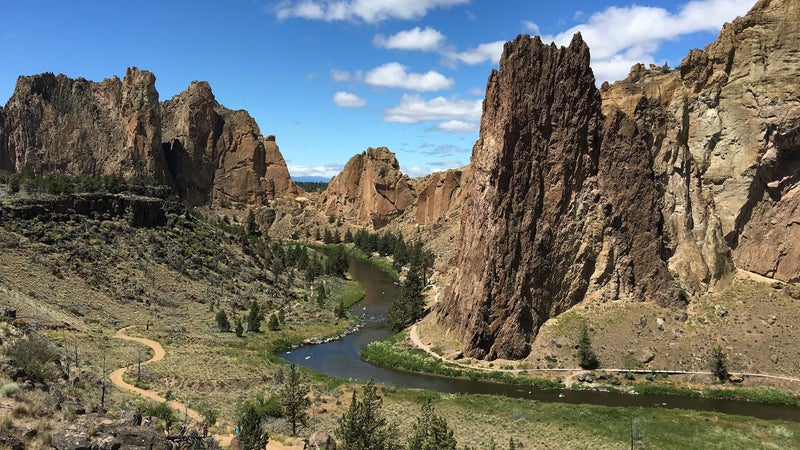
661,189
210,154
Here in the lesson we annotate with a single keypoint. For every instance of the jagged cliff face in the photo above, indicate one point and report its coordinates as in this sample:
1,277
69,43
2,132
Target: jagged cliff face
370,190
730,151
438,195
55,123
217,155
561,204
208,153
673,181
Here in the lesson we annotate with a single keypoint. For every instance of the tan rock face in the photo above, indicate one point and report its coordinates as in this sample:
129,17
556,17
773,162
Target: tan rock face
730,148
370,190
559,206
439,194
78,127
210,154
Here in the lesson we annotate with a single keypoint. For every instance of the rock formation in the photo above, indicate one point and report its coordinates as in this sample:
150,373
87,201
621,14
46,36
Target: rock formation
729,155
218,155
209,153
552,215
78,127
370,190
438,194
676,175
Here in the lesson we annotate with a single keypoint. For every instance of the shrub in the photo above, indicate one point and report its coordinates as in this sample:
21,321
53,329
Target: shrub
34,357
9,389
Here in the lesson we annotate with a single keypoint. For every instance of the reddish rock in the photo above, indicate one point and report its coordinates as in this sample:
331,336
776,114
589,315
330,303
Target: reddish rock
438,194
208,153
219,156
78,127
561,204
370,190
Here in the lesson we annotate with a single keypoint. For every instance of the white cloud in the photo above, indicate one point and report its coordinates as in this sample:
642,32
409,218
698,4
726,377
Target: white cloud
370,11
619,35
348,100
490,52
458,126
530,27
426,40
394,75
328,170
416,171
340,75
415,109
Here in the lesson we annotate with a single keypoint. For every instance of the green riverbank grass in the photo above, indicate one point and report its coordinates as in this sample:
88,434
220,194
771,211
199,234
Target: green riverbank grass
388,353
477,419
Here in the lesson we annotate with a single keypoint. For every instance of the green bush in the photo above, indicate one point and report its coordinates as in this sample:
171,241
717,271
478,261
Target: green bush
9,389
34,358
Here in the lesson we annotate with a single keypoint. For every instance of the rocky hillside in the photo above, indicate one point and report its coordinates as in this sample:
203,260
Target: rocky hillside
658,186
211,155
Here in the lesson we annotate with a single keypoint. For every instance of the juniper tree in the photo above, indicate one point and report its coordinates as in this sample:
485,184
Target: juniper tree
363,426
431,431
586,354
254,318
293,400
223,323
252,435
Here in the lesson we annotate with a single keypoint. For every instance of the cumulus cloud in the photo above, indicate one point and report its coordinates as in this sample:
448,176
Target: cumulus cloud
426,40
394,75
370,11
488,52
348,100
622,36
415,109
530,27
458,126
327,170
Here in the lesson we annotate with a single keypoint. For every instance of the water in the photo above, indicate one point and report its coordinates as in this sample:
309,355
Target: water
341,359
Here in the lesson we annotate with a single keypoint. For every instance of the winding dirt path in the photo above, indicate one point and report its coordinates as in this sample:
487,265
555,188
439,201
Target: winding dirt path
159,354
572,373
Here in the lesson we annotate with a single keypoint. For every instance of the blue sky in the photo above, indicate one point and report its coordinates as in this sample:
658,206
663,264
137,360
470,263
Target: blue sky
332,77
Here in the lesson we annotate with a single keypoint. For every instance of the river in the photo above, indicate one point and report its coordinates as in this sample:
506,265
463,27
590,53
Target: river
340,358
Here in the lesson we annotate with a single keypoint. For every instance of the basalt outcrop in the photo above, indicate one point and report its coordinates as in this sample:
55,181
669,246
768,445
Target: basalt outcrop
218,155
730,151
208,153
561,204
659,191
370,190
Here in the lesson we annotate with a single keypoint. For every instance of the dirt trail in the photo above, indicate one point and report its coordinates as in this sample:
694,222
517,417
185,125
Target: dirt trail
572,373
159,354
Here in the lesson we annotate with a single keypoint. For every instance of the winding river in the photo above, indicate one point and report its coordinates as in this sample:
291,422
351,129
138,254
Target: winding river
340,358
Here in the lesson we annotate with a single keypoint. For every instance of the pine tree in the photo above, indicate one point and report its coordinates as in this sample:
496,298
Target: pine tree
294,401
223,323
274,324
239,328
254,318
719,364
250,226
431,431
363,426
586,354
410,305
252,435
337,263
348,237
